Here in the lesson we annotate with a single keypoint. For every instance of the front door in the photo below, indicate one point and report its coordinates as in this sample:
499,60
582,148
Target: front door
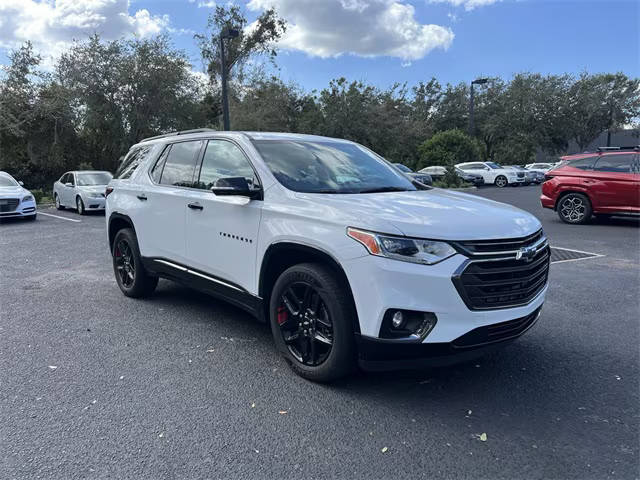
222,231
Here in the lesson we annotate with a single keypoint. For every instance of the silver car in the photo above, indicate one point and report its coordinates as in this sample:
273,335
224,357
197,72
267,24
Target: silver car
82,190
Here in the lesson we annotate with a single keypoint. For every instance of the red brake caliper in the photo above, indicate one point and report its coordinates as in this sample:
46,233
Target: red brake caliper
282,315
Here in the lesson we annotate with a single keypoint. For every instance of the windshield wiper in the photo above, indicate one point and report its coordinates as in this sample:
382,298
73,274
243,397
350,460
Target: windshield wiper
383,189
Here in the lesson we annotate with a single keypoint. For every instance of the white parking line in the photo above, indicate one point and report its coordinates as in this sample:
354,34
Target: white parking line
58,216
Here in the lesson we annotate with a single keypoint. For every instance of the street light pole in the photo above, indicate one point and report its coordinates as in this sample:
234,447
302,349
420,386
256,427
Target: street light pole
477,81
227,33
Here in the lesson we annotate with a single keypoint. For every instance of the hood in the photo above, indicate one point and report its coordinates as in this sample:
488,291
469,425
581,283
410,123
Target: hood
436,213
13,191
93,188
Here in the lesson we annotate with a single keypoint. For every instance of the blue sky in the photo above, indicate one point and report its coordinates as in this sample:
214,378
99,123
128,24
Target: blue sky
452,40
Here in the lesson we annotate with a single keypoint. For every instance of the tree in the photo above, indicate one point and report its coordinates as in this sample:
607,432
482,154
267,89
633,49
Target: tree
257,39
448,148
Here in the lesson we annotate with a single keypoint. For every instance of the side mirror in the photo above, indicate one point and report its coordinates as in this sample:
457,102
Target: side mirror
21,183
487,168
68,184
236,186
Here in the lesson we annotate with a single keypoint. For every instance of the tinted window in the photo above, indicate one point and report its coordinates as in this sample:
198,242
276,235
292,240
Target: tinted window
329,167
223,159
635,168
403,168
615,163
585,163
156,171
94,178
180,164
495,166
71,179
131,162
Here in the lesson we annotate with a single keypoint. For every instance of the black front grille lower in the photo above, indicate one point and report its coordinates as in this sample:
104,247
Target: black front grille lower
497,275
9,204
498,332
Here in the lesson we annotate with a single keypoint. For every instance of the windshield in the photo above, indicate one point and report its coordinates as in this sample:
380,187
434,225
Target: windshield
403,168
329,167
95,178
7,181
495,166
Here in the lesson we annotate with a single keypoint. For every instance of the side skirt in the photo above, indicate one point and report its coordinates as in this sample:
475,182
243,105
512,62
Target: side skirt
206,283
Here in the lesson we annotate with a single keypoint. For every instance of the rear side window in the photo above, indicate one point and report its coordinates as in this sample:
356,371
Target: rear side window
620,163
180,164
132,161
585,163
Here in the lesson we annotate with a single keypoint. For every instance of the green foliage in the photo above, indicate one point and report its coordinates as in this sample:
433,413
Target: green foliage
448,148
103,96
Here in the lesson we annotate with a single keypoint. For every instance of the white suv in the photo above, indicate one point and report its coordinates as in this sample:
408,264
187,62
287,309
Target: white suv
346,259
493,173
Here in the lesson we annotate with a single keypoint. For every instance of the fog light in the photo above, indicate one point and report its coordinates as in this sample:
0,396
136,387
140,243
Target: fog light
397,320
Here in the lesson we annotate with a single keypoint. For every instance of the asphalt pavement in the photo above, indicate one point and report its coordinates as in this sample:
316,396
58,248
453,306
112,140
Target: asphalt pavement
97,385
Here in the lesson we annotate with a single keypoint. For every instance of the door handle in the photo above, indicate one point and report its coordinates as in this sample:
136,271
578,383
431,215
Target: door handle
195,206
142,197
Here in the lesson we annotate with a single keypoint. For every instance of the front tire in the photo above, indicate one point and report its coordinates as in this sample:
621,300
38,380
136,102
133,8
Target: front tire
310,316
56,199
80,206
501,181
31,218
131,276
574,208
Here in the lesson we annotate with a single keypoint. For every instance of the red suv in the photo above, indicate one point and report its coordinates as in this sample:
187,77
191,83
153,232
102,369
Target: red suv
606,182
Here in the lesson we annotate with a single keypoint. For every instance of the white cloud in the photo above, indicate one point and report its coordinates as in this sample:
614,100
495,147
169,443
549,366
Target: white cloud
52,25
468,4
367,28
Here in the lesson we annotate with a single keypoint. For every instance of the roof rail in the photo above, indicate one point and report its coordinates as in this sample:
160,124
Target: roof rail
182,132
605,149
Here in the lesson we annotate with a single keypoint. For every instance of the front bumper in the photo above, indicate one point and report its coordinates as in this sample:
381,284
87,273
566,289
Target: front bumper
375,354
94,203
24,209
394,284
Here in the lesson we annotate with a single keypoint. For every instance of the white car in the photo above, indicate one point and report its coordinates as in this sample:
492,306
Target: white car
436,172
493,173
15,201
82,190
540,167
348,261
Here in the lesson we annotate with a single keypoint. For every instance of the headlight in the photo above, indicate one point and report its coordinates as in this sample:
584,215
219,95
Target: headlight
28,198
414,250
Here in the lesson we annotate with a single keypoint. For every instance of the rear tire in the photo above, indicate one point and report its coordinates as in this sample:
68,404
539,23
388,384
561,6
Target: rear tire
131,276
574,208
501,181
309,307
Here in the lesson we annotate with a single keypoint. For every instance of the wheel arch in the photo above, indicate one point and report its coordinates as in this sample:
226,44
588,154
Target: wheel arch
117,222
282,255
564,193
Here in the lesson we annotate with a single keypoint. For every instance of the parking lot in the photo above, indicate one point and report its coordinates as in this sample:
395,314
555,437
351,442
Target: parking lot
96,385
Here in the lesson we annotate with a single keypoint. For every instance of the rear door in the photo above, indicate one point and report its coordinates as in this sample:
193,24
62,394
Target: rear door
614,183
222,231
161,202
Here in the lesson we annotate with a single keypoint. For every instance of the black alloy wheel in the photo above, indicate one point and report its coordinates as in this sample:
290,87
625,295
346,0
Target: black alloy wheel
305,323
312,318
125,263
131,275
